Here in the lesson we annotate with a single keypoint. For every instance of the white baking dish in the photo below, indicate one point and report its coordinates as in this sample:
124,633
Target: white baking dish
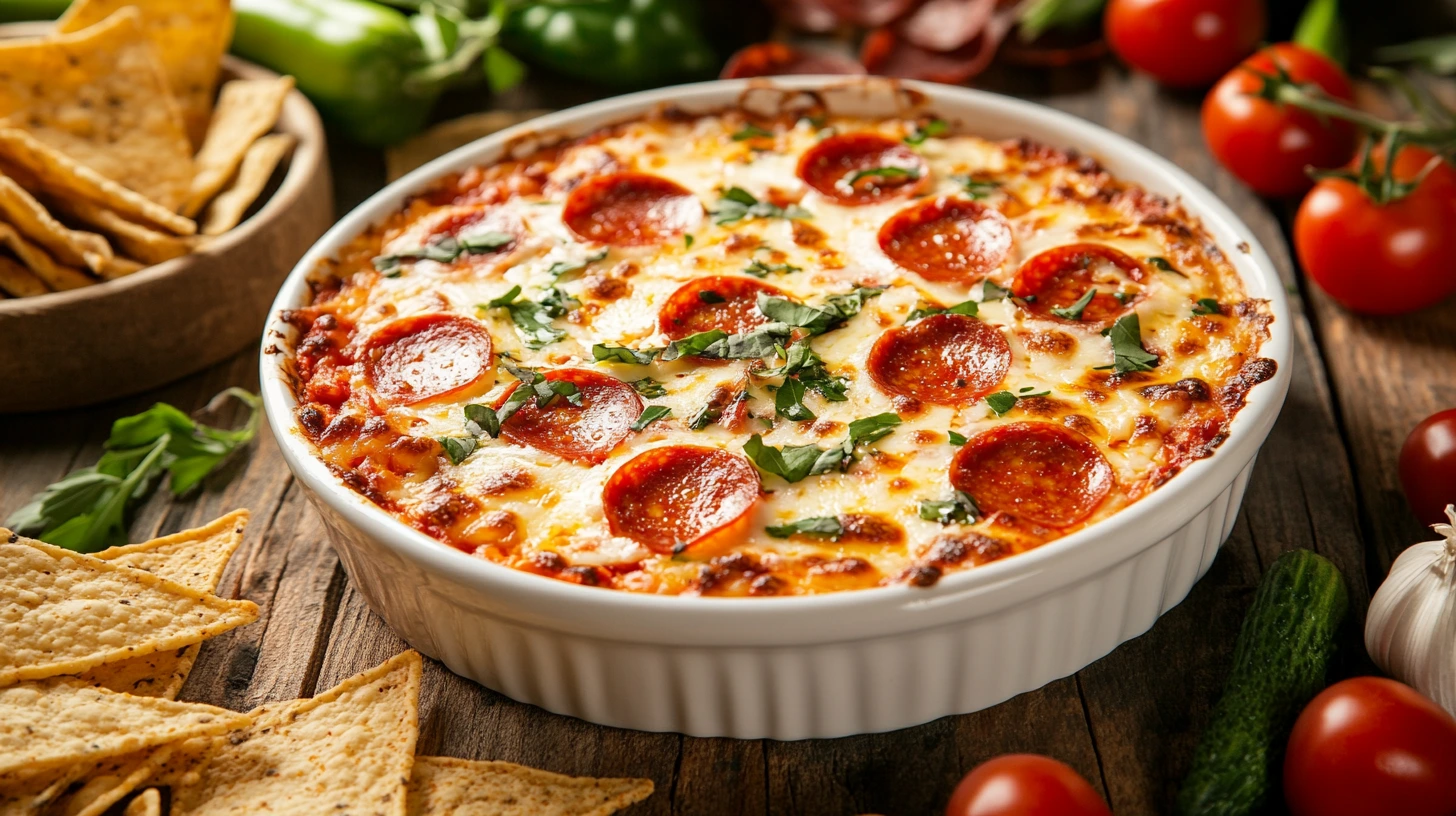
816,666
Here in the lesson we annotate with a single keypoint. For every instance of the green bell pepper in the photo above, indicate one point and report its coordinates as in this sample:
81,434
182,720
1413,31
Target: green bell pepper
14,11
623,43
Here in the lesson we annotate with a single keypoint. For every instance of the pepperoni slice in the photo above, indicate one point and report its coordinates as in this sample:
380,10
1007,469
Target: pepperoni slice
946,359
1034,470
778,59
630,209
584,433
425,357
715,302
948,239
675,497
842,166
1060,276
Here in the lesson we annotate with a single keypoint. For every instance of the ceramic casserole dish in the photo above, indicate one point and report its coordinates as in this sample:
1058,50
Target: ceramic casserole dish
809,666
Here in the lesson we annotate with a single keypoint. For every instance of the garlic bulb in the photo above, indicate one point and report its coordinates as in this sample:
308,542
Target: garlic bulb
1411,630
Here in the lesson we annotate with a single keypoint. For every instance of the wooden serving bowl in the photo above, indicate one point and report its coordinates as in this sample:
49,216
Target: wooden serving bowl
128,335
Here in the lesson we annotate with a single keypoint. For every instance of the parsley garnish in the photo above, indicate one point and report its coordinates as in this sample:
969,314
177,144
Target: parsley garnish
935,127
969,308
738,204
974,187
887,173
958,509
444,249
87,510
651,414
818,526
1128,353
603,353
794,463
1207,306
533,319
955,439
648,387
751,131
560,268
457,447
1074,311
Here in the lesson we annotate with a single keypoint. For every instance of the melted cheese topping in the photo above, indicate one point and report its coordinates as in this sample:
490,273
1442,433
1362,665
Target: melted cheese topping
536,511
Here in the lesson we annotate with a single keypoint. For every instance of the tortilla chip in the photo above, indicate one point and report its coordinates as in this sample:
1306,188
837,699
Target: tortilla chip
58,277
100,96
63,612
33,221
348,750
193,558
259,162
444,786
187,762
17,281
190,35
109,781
26,794
246,109
52,723
147,803
120,268
142,243
38,166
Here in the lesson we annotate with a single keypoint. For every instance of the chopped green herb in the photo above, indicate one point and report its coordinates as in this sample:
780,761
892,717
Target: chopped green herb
713,411
738,204
533,319
886,173
603,353
835,310
533,385
1128,353
1001,402
87,510
759,269
969,308
648,387
688,241
794,463
1207,306
651,414
752,132
1074,312
1123,297
709,296
789,401
933,128
987,291
457,447
444,249
955,438
1161,264
960,508
974,187
562,268
819,526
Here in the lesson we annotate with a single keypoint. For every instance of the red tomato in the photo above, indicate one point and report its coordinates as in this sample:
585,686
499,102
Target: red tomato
1266,144
1184,43
1428,467
1382,259
1025,785
1371,746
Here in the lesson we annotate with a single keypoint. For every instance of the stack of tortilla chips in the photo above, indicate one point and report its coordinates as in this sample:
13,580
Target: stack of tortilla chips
94,649
111,144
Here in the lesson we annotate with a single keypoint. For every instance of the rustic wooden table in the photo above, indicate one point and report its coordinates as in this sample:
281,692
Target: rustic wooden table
1326,480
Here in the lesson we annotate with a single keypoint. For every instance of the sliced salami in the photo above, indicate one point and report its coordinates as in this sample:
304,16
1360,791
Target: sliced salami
716,302
584,433
945,25
870,13
948,239
1061,277
945,359
863,168
779,59
805,15
631,209
672,498
426,357
1038,471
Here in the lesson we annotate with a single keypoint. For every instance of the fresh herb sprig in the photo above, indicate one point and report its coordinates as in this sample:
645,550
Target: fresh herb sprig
737,204
443,249
88,511
960,508
817,526
795,463
534,385
1128,354
533,318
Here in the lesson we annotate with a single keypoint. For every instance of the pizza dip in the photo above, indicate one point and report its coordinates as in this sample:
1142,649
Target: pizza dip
727,355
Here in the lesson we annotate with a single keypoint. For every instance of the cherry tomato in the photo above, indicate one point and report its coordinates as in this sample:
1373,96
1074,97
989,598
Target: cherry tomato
1025,785
1428,467
1370,745
1382,259
1269,145
1184,43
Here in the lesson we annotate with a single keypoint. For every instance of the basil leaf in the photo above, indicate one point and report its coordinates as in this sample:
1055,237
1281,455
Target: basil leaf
504,300
789,401
486,419
651,414
969,308
648,388
880,173
1001,402
1207,306
457,447
688,241
792,463
560,268
752,131
693,344
719,345
819,526
958,509
988,291
737,204
935,127
974,187
1128,353
443,249
870,429
955,438
835,310
1162,264
710,297
759,269
603,353
485,242
532,319
1074,311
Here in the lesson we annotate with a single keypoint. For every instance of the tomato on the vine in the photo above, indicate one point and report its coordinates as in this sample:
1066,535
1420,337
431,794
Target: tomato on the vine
1184,43
1370,745
1382,258
1267,144
1428,466
1025,785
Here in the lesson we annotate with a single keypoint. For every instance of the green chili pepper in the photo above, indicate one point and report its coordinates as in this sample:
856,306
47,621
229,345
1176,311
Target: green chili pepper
612,42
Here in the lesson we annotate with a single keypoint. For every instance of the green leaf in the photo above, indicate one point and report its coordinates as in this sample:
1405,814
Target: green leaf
969,308
651,414
794,463
688,241
880,173
1207,306
1039,16
457,447
502,70
487,419
1161,264
719,345
818,526
442,249
960,508
648,387
789,401
563,268
1128,353
1001,402
933,128
603,353
759,269
870,429
485,242
976,188
987,291
708,296
532,319
737,204
1320,29
751,131
955,438
835,310
1074,311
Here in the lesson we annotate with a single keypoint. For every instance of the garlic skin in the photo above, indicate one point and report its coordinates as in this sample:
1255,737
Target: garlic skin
1411,629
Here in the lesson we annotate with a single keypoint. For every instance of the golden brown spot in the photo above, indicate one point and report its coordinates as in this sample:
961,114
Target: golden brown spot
926,437
1039,406
606,288
740,241
907,406
502,482
825,427
1050,342
807,235
1144,426
868,528
1095,396
1082,425
1187,347
900,484
841,566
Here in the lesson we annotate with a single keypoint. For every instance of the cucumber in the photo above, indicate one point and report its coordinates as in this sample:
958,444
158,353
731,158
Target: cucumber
1280,660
